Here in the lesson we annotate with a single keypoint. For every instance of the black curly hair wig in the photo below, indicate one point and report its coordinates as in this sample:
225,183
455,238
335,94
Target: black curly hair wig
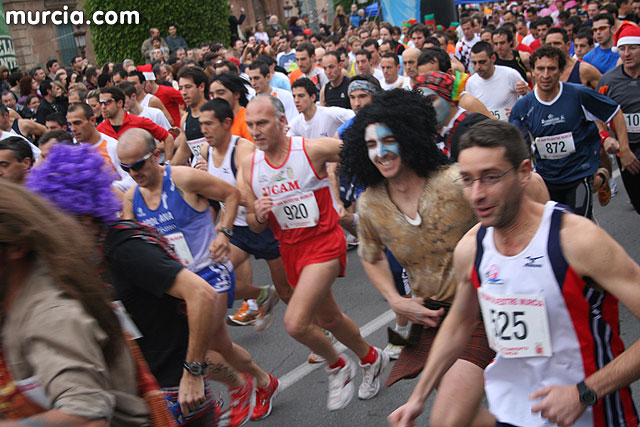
411,118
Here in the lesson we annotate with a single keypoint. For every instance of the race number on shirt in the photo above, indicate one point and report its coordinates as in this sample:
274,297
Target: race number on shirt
179,244
297,211
516,325
500,114
555,146
194,146
633,122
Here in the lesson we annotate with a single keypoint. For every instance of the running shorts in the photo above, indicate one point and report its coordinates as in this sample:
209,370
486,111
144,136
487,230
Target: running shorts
315,250
222,278
260,245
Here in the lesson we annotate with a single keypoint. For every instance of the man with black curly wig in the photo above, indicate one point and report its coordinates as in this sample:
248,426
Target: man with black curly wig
414,207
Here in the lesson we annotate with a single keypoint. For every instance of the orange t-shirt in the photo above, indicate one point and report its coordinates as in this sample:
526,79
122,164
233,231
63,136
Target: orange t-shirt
239,126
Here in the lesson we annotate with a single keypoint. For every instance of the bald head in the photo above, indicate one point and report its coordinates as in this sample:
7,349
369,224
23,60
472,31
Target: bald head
136,140
410,60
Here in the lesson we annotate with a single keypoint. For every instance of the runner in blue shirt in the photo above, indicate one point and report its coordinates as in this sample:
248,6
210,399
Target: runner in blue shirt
602,56
560,119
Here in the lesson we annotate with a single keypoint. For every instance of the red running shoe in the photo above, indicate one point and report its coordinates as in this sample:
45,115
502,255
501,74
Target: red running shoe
264,399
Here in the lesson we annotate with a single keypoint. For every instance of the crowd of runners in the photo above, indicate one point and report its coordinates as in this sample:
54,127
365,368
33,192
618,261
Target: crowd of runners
461,160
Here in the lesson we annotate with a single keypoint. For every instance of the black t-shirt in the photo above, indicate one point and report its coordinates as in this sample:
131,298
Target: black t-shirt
141,274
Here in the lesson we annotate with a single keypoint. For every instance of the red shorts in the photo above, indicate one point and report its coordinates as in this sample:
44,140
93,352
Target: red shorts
315,250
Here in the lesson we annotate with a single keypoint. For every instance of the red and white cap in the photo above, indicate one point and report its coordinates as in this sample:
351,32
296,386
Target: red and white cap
146,71
627,34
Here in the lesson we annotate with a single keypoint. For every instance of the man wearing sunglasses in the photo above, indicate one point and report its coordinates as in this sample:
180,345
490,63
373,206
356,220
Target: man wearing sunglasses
117,121
602,56
174,200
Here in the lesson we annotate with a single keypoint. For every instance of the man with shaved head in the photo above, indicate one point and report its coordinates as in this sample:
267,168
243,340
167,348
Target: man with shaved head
174,200
410,60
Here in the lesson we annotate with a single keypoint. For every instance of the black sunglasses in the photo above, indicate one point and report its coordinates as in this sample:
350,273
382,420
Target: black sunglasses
136,166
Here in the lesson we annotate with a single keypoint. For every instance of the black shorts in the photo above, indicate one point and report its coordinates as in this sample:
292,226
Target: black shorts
576,195
399,274
260,245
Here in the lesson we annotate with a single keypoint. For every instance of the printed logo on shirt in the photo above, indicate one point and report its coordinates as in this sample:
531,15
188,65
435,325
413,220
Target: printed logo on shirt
492,276
140,213
532,261
552,120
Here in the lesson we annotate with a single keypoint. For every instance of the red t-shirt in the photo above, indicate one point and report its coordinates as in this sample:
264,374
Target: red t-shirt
524,48
534,44
130,122
171,99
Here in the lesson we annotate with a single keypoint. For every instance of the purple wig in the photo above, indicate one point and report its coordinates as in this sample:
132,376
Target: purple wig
75,179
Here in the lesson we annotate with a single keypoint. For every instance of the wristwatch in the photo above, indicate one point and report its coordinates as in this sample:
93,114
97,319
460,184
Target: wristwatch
588,397
195,368
226,231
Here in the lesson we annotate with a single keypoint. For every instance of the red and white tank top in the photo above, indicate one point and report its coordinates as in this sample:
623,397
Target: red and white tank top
304,206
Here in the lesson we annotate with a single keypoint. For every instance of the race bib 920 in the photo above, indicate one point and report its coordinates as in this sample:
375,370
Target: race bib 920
297,211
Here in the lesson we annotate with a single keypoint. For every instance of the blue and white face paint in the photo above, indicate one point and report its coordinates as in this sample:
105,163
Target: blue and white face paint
440,104
378,132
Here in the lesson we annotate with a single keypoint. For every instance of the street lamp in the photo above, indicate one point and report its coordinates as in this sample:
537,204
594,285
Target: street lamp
81,40
287,10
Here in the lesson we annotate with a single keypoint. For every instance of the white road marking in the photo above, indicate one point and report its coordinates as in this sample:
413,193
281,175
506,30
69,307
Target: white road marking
305,369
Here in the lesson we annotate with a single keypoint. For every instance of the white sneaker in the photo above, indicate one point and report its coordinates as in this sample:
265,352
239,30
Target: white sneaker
316,358
341,385
393,351
371,375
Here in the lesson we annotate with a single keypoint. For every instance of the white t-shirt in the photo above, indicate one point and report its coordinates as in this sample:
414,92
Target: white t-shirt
401,83
528,39
497,92
463,51
35,150
287,100
324,123
156,116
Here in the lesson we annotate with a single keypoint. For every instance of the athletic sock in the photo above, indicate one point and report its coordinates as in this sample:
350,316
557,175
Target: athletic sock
341,363
264,293
371,357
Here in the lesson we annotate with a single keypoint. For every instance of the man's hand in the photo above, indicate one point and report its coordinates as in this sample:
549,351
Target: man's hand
414,309
522,88
405,415
219,248
629,162
201,164
560,404
611,145
190,392
263,206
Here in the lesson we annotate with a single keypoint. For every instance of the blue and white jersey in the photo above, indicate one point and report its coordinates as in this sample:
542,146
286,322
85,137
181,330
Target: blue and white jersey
567,143
189,231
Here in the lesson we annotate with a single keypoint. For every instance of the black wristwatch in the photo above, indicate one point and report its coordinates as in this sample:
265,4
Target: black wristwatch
195,368
588,397
226,231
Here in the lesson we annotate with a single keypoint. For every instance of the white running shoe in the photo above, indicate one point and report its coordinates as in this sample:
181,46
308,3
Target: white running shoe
393,351
341,385
371,375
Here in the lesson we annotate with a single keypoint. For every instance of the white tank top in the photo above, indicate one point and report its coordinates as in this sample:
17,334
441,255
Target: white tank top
225,172
511,291
304,207
145,101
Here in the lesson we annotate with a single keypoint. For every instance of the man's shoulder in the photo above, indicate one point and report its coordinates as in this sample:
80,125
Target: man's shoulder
612,75
503,70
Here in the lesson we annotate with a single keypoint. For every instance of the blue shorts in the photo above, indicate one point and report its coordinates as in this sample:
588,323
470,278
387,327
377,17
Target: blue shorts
260,245
222,278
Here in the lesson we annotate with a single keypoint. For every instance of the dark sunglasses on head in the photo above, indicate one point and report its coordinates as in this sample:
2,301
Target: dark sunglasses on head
136,166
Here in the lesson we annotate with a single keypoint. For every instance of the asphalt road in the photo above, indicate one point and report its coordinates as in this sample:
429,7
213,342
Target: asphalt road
303,402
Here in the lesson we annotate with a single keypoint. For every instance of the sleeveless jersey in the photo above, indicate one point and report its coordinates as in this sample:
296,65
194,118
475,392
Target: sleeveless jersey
583,327
227,172
145,101
195,138
189,231
338,96
300,196
574,77
515,63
